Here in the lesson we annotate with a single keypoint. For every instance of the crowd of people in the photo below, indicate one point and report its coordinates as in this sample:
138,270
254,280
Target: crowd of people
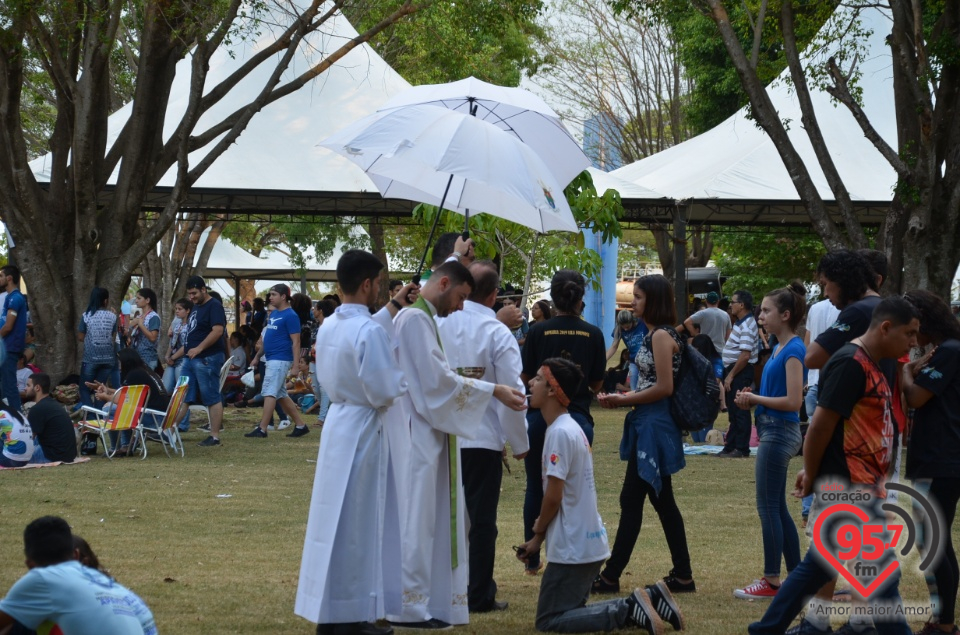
420,398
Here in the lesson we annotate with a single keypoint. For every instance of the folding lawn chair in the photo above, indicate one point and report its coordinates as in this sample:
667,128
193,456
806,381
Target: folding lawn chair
165,423
129,402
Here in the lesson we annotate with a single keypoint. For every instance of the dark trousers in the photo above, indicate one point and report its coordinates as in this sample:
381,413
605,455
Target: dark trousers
482,475
533,465
805,581
8,380
632,496
738,436
946,575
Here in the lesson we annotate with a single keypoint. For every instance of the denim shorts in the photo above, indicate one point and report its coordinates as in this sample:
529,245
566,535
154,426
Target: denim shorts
275,378
204,374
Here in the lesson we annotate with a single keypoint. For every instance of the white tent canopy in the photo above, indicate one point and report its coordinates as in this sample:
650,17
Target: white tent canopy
733,172
276,164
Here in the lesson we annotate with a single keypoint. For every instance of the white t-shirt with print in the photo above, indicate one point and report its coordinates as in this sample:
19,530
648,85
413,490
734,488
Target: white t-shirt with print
577,534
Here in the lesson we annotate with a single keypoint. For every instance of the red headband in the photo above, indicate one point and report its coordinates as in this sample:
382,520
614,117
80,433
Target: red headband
561,396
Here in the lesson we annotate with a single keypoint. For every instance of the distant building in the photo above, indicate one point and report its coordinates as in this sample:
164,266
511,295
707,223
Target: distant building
601,137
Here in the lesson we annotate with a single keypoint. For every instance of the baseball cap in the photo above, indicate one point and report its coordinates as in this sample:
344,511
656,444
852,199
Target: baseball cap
713,297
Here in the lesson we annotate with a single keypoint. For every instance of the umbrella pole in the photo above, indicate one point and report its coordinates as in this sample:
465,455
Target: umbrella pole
466,225
426,248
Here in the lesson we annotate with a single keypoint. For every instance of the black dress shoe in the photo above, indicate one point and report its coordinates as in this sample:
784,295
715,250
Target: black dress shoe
353,628
433,624
491,608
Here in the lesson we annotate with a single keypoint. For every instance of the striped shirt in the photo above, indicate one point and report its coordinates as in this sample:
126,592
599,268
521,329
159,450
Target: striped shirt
743,337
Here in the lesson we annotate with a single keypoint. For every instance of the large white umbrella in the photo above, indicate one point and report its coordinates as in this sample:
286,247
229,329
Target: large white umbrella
514,110
455,161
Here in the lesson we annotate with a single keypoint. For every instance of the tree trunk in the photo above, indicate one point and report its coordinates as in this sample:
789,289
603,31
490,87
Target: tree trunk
375,231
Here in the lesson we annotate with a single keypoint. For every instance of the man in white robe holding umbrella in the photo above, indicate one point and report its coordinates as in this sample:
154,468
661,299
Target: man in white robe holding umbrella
423,455
341,584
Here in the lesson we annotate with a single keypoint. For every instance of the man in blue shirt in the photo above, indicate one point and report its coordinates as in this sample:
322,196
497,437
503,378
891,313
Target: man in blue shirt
13,330
58,590
205,354
281,350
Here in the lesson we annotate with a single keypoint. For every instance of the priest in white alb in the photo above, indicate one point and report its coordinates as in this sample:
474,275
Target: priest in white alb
341,585
439,405
494,352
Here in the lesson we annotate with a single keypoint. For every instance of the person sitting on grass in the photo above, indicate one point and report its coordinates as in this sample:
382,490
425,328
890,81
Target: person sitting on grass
59,590
571,525
16,439
51,425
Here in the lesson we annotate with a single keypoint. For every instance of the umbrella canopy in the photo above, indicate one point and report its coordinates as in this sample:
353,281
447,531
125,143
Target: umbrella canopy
514,110
442,157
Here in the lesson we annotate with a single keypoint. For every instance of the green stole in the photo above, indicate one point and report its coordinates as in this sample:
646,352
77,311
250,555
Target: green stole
451,449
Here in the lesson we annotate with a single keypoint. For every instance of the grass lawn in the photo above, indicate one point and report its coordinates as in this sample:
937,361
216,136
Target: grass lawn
211,564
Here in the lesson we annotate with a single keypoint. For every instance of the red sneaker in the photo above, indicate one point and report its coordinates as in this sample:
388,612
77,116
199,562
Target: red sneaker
759,590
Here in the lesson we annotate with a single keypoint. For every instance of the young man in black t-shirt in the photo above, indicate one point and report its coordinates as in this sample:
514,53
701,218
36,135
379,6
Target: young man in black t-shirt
852,438
50,423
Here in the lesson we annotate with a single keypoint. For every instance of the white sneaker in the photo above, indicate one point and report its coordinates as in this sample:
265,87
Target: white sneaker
270,427
283,425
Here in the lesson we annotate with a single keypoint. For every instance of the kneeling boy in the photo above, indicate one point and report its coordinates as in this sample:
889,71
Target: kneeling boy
570,523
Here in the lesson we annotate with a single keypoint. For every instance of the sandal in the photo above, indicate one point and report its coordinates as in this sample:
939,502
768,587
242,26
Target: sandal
602,586
533,570
123,451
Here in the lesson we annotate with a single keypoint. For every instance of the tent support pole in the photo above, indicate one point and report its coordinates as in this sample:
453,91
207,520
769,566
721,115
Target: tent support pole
236,304
680,261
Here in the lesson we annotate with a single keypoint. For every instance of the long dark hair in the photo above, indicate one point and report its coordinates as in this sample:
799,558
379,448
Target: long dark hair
704,344
567,289
544,309
130,360
659,307
937,322
98,300
150,296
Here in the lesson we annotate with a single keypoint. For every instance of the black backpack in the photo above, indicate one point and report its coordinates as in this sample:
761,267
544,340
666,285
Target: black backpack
695,403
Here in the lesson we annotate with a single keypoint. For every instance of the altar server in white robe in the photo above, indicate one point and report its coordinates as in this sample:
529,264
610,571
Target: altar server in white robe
493,349
341,578
424,460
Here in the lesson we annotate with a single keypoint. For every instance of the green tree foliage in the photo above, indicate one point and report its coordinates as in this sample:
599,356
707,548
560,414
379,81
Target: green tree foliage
716,91
493,40
760,260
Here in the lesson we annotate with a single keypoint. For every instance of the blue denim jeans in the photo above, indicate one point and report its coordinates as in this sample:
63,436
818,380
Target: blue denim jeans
810,575
204,374
533,465
94,372
779,442
562,606
810,402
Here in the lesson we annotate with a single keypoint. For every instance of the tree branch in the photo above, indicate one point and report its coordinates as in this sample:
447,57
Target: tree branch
812,127
840,91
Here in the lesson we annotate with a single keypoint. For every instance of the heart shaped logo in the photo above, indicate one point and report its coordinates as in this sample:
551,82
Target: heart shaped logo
853,536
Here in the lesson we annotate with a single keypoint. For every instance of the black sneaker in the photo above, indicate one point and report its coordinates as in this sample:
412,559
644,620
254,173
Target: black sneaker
299,432
204,428
676,586
602,586
666,607
256,433
208,442
433,624
847,629
641,613
806,628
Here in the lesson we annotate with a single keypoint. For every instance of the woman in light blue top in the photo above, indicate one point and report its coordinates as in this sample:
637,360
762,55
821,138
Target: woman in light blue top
778,427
